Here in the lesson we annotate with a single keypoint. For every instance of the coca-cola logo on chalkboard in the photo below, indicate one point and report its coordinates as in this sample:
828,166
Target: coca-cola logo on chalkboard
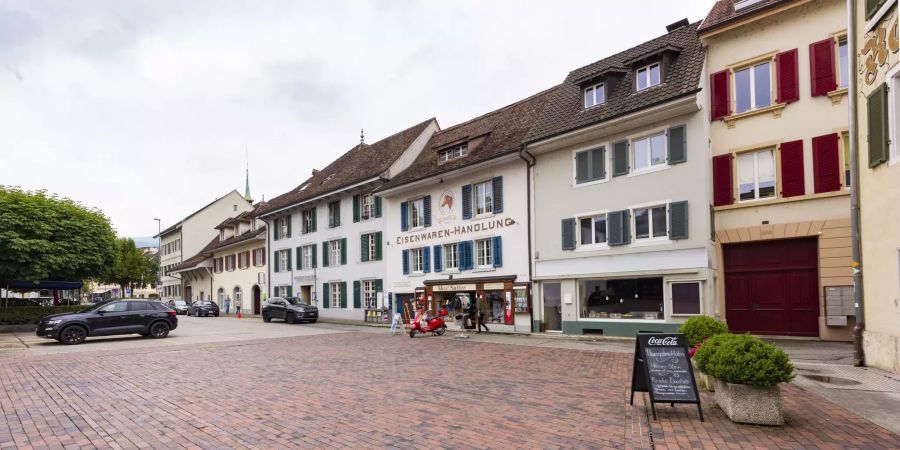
666,341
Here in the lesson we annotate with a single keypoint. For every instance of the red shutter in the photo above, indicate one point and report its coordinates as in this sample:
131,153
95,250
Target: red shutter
826,163
720,104
788,77
821,67
723,191
792,169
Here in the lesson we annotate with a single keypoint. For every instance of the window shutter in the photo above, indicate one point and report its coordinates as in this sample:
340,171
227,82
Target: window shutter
364,247
821,67
343,251
720,97
677,145
325,254
315,261
379,285
356,208
826,163
405,262
426,207
253,257
357,303
497,251
326,295
290,291
460,258
678,220
598,163
377,246
377,206
620,158
568,234
470,254
276,231
619,226
438,263
315,218
300,258
263,254
426,259
467,202
337,215
498,194
792,169
787,76
343,294
581,167
723,191
877,107
404,216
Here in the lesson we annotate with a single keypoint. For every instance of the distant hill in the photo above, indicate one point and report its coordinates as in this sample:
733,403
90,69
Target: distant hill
146,241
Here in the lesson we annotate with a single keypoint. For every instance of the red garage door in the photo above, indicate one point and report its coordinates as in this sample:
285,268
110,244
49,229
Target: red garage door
772,287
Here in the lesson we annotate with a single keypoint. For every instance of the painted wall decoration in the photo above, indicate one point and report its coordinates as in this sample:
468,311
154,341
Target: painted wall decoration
877,46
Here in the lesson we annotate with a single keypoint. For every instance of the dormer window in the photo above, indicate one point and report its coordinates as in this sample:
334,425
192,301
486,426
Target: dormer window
594,95
648,76
452,153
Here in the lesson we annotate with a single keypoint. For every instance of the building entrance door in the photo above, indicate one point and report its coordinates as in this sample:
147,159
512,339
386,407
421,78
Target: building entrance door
552,307
187,295
306,294
256,299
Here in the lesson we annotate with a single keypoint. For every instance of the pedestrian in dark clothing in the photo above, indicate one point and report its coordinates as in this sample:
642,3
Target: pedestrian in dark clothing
481,313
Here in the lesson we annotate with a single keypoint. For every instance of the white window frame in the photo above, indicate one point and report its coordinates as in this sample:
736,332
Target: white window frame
283,225
332,211
592,215
751,68
842,83
649,138
417,213
370,296
306,253
282,291
737,171
334,252
590,92
417,260
488,189
366,206
646,69
259,256
334,291
649,207
372,247
606,161
455,152
484,258
243,260
893,80
306,215
450,254
282,259
669,300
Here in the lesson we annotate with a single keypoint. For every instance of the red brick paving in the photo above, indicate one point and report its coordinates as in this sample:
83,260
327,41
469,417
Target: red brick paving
364,390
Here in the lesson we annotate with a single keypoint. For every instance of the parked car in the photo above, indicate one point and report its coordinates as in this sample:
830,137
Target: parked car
180,306
146,318
291,309
204,308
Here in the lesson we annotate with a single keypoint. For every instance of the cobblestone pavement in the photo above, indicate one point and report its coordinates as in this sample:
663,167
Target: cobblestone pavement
366,390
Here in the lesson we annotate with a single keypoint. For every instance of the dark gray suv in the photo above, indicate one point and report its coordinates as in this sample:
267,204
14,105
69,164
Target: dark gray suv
291,309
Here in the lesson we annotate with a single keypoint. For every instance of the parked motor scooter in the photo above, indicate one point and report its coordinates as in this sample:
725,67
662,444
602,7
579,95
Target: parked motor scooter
434,325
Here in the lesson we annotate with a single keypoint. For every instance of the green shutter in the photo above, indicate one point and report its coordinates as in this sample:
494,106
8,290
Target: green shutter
377,206
315,261
290,291
356,208
299,258
289,220
276,259
377,246
326,296
343,294
343,251
364,248
288,268
878,125
325,254
315,216
275,229
379,285
357,303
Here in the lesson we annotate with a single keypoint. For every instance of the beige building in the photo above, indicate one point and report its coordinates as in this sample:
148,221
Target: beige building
778,76
239,263
878,101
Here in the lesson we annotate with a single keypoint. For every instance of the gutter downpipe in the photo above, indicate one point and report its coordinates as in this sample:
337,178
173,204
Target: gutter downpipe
529,164
859,356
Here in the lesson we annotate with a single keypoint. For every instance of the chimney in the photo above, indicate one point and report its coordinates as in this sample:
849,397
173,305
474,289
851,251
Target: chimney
681,23
314,172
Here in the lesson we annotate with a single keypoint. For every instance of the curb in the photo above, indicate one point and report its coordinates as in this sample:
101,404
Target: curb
17,328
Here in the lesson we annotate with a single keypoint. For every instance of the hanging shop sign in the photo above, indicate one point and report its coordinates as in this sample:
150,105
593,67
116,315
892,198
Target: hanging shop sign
459,230
661,368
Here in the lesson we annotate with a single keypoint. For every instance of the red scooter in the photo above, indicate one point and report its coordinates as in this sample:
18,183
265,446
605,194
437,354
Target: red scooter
425,324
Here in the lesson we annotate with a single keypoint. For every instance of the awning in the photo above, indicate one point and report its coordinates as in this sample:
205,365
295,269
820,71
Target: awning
35,285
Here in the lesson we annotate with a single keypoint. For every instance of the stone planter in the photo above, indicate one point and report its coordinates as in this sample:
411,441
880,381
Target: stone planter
704,381
750,404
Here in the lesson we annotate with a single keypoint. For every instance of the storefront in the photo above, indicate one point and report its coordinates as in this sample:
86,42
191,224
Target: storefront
508,306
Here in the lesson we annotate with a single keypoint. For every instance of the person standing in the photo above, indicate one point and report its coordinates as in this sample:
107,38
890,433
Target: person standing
481,311
227,305
237,306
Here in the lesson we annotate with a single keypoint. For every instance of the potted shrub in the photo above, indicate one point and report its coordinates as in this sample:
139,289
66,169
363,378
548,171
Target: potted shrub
747,372
696,331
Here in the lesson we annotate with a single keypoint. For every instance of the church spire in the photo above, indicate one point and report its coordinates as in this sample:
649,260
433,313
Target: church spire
247,174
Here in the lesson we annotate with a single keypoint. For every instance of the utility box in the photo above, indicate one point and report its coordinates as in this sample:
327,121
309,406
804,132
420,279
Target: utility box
839,304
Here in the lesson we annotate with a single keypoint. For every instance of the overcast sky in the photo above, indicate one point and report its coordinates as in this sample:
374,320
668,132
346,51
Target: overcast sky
143,108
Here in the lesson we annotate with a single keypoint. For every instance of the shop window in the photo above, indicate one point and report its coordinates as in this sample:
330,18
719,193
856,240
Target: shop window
756,175
334,293
686,298
593,229
649,151
451,257
651,222
484,198
753,87
484,254
369,294
416,259
630,299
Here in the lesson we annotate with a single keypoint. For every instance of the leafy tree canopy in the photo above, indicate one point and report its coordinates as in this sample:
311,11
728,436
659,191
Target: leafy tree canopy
129,265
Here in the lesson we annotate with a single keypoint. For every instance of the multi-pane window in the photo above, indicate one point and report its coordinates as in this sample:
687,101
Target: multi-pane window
283,259
334,214
753,87
417,213
593,229
369,294
594,95
229,263
650,222
590,165
484,198
484,258
306,254
649,151
244,260
334,250
452,153
283,224
451,258
370,246
843,63
648,76
308,220
416,260
756,175
258,256
334,292
367,206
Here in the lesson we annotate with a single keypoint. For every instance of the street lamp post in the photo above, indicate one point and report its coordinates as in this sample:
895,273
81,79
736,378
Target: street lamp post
159,253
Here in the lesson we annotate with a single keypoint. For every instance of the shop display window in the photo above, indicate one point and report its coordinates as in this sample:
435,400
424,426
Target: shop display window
633,299
686,298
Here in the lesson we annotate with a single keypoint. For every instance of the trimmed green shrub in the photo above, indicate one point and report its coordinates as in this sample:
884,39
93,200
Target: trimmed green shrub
700,328
744,359
24,315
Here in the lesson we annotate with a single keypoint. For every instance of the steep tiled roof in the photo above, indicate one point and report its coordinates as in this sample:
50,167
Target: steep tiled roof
566,112
362,162
723,12
196,259
502,130
245,216
178,224
238,239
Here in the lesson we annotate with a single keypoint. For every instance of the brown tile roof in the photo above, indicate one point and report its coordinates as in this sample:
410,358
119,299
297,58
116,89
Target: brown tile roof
178,224
503,131
566,112
360,163
244,216
723,12
196,259
238,239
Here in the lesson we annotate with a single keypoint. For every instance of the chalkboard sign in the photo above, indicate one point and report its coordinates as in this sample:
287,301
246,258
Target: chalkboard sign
662,369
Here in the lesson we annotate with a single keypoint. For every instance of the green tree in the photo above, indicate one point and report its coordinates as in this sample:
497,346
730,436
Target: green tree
129,265
51,238
151,271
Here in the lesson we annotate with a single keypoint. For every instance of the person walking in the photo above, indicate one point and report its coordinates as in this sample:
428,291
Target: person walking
481,311
227,305
237,306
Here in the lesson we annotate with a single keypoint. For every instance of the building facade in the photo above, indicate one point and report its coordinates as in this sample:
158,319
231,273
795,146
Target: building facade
777,101
326,238
621,191
878,119
239,263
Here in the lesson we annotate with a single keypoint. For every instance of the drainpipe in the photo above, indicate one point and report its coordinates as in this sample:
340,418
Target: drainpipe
529,164
268,265
859,356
